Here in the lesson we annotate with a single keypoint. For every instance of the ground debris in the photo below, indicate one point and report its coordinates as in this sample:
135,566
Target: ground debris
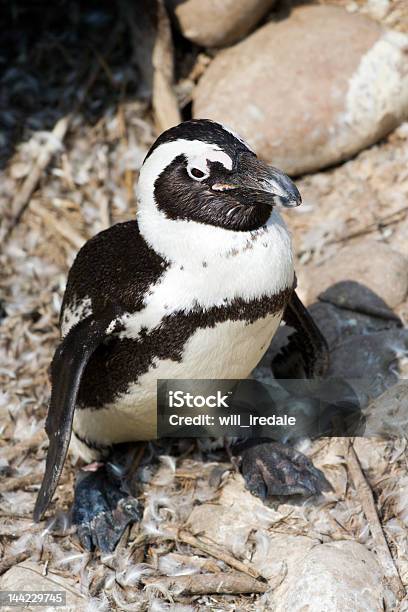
87,185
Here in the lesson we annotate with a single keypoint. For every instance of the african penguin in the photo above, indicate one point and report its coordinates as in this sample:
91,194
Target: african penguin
194,288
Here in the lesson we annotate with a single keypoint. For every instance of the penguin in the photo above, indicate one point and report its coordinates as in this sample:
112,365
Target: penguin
194,288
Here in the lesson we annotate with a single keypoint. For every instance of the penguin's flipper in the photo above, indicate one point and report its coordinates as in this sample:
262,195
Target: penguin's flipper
67,368
307,354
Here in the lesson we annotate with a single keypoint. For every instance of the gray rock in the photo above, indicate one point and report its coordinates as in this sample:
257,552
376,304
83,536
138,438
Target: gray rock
349,295
310,90
217,23
371,360
366,341
349,309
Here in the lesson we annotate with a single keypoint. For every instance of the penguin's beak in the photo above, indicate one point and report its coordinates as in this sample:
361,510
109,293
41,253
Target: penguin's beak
258,182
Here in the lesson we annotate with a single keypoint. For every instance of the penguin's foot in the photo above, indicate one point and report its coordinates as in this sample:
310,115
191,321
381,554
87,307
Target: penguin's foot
271,468
103,508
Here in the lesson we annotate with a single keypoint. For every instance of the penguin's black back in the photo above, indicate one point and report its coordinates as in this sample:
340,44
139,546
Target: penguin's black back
115,267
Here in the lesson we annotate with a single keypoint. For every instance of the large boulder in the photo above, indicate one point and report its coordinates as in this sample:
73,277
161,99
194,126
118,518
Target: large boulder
311,90
341,577
217,23
373,264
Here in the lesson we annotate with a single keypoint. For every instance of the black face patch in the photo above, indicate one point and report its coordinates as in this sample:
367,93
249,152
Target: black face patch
205,131
181,197
120,362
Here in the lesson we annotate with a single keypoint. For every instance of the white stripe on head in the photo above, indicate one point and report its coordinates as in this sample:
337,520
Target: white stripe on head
237,136
196,151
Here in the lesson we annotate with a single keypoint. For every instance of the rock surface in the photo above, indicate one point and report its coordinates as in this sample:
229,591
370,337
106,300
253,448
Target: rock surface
311,90
212,23
387,415
28,576
400,237
233,518
348,309
367,344
305,575
355,321
341,577
275,549
373,264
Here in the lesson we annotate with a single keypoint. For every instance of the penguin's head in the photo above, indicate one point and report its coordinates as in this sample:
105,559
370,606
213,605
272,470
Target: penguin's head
201,171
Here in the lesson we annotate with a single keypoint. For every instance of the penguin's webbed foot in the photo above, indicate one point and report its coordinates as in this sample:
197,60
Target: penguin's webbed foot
272,468
103,509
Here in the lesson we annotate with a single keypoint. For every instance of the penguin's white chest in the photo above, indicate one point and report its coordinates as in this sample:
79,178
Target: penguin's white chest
229,350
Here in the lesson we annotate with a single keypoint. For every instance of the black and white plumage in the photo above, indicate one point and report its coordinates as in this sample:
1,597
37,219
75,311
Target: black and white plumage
195,288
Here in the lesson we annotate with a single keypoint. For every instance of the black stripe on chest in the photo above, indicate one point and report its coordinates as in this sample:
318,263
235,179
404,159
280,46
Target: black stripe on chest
120,362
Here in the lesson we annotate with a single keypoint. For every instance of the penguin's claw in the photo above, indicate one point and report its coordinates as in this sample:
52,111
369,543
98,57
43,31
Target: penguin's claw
271,468
102,510
105,529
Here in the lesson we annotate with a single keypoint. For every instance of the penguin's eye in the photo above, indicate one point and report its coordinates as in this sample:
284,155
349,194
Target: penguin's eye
197,174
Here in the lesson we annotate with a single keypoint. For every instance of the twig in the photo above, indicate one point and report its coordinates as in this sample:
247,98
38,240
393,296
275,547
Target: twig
403,605
138,455
215,551
98,580
201,584
15,515
18,483
24,446
128,174
164,100
100,202
13,527
12,560
381,546
201,564
371,227
105,210
63,228
187,475
105,67
22,197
